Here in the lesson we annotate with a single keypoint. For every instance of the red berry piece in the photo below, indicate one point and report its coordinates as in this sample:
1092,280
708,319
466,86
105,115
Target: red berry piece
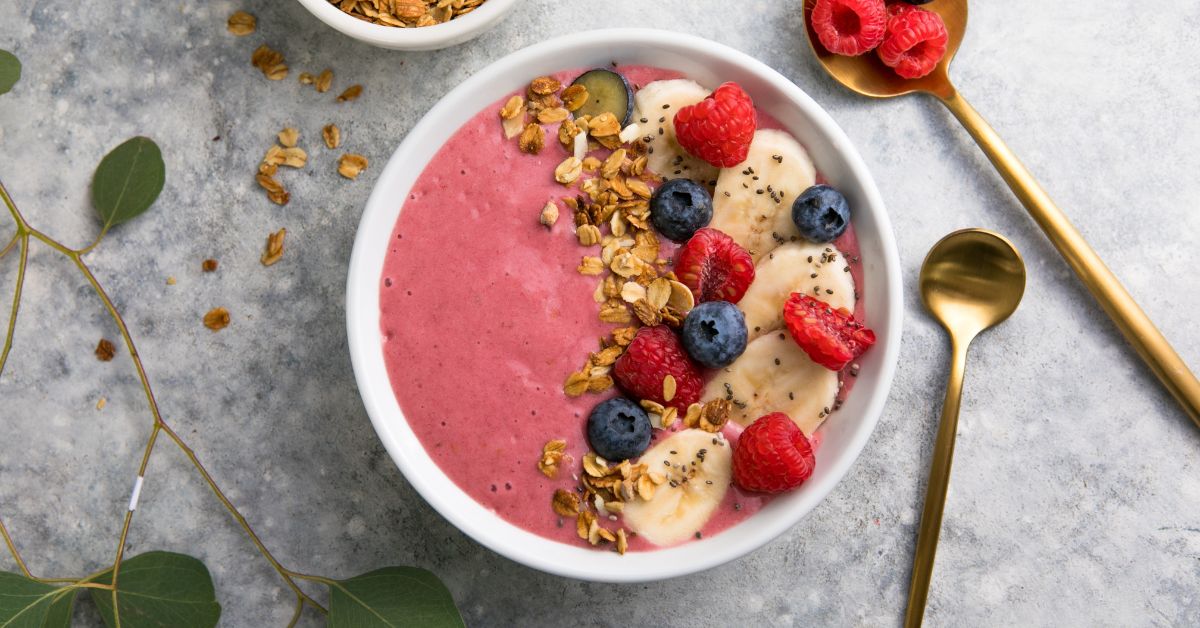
654,354
772,456
849,27
832,338
719,128
915,41
715,267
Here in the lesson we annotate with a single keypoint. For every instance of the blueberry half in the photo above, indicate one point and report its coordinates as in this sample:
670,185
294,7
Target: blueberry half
607,91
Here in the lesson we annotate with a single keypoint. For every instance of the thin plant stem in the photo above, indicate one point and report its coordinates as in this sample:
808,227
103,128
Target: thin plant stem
296,614
16,303
12,549
88,249
11,243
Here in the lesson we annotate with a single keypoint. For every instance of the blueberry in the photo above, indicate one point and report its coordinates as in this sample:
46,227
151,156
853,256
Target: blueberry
714,333
618,429
679,207
607,91
821,213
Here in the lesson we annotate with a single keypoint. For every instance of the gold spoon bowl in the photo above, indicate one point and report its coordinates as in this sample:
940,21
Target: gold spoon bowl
867,75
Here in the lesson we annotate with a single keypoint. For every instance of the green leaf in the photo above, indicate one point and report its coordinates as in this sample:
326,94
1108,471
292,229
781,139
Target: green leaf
10,71
160,589
26,603
127,181
392,596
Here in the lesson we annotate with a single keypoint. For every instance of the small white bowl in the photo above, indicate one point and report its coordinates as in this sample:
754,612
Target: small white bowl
443,35
710,63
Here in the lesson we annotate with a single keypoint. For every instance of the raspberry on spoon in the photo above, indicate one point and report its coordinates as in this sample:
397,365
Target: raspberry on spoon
849,27
914,42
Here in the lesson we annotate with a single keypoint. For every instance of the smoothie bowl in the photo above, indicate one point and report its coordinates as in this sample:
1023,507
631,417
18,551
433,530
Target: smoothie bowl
541,332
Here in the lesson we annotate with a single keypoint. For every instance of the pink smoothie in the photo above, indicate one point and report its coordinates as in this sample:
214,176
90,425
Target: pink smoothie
484,315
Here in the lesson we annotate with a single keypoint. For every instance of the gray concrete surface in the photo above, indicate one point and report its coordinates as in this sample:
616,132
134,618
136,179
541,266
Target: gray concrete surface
1076,483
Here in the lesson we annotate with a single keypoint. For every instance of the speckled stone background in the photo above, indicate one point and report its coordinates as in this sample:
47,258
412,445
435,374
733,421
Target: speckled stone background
1075,490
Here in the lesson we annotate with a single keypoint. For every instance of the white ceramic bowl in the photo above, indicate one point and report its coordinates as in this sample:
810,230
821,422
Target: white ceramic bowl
709,63
455,31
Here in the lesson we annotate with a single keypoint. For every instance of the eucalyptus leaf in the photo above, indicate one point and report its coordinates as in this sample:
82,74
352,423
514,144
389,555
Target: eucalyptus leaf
10,71
26,603
160,589
391,597
128,180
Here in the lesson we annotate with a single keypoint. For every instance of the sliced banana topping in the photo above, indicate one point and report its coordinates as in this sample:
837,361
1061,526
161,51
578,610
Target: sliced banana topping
655,105
753,201
698,469
776,375
817,270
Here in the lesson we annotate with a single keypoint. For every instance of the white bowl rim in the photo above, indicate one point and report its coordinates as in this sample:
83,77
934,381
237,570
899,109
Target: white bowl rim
426,37
488,528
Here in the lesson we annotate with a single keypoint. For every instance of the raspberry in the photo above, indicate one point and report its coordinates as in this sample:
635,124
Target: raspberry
832,338
719,128
654,354
715,267
915,41
772,456
849,27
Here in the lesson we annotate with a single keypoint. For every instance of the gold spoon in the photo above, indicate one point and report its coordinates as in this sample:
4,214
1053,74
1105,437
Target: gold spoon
867,75
971,280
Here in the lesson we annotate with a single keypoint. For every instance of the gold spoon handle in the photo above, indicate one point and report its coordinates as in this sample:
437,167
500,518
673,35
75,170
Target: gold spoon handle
935,490
1104,286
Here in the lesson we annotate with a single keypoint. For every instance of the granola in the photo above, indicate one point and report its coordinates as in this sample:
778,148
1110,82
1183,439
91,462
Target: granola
407,13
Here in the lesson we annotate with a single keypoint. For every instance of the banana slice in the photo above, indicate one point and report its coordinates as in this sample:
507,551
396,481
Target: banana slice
656,103
775,375
676,513
818,270
753,201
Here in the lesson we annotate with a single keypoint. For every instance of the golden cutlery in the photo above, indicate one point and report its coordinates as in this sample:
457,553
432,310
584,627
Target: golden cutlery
970,281
867,75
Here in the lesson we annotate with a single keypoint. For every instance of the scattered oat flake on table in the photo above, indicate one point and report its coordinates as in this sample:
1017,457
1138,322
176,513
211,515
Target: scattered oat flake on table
170,281
270,62
332,135
105,350
351,93
324,80
350,165
306,78
209,265
274,250
275,191
100,403
217,319
289,136
241,23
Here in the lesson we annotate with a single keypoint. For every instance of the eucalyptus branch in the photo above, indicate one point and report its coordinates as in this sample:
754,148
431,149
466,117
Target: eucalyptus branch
116,202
